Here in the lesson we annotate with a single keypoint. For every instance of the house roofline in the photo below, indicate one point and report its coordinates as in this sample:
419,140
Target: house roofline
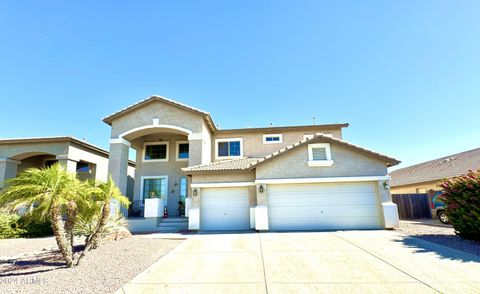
109,119
55,139
317,137
280,128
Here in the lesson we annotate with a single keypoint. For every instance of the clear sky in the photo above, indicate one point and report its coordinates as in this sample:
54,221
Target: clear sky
404,74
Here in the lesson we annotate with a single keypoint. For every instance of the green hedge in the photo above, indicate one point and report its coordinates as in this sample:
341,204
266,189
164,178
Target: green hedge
462,197
34,227
15,226
9,227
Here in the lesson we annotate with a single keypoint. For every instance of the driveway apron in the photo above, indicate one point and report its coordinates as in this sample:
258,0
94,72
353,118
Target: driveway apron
309,262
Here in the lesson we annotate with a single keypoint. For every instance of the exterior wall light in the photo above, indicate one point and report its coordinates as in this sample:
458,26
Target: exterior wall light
386,186
195,192
260,188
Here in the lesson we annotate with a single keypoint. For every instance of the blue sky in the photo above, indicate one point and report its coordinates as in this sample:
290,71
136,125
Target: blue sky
404,74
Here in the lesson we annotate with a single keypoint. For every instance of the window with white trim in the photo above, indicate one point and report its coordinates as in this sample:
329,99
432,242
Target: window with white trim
155,151
183,189
155,187
182,150
229,148
319,154
272,138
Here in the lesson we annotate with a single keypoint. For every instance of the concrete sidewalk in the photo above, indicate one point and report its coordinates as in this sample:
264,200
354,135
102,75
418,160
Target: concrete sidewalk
309,262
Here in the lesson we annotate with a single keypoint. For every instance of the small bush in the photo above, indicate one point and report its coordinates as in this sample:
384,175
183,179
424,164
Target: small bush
462,197
9,227
87,227
35,227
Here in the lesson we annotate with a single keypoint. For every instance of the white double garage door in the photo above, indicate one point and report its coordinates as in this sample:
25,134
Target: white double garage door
326,206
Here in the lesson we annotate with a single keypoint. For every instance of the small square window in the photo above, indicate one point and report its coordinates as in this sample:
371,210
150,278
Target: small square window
319,154
182,150
156,151
272,139
229,148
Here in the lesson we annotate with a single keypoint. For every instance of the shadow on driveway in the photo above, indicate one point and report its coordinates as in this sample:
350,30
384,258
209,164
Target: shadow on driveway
465,250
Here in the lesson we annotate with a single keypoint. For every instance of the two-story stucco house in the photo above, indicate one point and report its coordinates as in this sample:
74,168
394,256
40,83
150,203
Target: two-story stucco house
273,178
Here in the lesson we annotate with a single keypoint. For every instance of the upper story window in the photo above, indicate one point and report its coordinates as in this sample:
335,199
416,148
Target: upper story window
182,150
155,151
229,148
309,136
319,154
272,138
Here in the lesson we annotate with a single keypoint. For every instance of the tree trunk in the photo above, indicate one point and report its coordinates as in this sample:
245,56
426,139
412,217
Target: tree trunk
59,232
70,222
95,237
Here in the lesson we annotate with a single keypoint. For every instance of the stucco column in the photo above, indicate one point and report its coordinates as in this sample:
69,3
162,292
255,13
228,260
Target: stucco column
388,208
118,163
118,170
69,164
8,169
261,210
194,210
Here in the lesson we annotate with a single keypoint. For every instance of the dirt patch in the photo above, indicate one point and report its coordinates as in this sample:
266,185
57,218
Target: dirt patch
436,232
103,270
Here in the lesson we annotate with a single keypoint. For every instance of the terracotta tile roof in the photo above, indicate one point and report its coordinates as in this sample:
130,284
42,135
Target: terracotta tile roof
437,169
229,164
31,140
108,119
389,160
250,163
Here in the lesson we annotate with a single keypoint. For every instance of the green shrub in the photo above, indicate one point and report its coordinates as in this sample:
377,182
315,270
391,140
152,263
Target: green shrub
9,227
88,226
462,197
35,227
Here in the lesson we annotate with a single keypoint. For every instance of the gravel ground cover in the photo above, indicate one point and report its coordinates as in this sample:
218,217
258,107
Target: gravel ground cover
103,270
434,231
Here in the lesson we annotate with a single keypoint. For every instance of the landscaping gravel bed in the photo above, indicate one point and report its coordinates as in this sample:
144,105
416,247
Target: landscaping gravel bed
436,232
103,270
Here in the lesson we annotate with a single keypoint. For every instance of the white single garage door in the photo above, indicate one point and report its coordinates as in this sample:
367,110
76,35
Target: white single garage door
224,209
323,206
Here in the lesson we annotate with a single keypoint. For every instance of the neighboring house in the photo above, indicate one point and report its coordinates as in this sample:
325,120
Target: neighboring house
85,159
423,177
272,178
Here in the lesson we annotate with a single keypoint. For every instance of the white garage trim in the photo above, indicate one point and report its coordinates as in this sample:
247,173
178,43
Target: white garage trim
225,209
322,180
324,206
222,185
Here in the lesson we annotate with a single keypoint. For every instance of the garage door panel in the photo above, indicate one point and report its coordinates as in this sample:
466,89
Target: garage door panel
332,224
323,206
326,211
224,209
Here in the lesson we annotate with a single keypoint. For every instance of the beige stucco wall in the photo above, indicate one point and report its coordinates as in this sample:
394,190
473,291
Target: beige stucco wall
167,114
24,150
224,176
347,163
172,168
412,189
80,153
34,154
253,145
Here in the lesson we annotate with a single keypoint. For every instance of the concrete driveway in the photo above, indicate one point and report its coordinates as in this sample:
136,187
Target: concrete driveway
310,262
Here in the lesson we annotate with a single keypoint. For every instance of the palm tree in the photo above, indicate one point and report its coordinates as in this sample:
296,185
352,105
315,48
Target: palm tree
51,191
106,194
